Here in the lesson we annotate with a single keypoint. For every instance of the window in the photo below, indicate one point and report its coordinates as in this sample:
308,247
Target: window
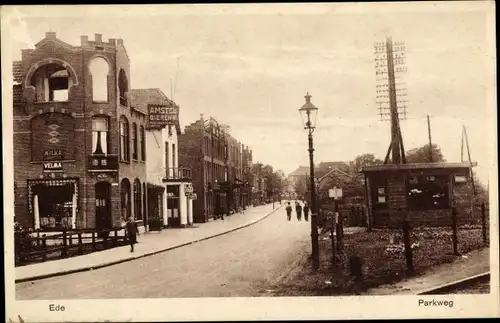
381,195
52,83
173,156
123,88
99,70
100,135
124,140
137,200
428,192
125,198
167,157
134,142
143,144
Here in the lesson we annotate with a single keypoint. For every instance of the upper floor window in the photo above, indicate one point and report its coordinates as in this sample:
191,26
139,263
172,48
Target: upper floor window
134,142
99,69
174,151
124,140
100,138
143,143
123,88
52,83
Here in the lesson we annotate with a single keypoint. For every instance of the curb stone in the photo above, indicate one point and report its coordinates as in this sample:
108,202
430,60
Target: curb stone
116,262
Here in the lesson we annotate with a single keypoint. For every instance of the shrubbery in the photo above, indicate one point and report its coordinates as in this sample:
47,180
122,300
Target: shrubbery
23,242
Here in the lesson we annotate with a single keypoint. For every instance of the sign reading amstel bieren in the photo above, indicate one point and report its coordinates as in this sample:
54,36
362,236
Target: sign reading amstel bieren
161,116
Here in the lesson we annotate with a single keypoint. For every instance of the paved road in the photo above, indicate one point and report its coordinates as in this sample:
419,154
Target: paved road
243,263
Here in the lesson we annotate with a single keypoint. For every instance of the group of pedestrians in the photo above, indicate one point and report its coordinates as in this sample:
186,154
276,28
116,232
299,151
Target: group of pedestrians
298,210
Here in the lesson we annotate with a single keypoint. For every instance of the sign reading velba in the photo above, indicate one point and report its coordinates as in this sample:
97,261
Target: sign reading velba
161,116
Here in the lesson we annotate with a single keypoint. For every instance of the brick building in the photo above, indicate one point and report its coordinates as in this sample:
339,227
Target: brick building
422,193
168,184
216,161
79,147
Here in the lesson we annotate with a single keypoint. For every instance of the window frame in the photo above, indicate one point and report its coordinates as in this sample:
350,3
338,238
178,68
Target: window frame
108,141
135,146
124,140
422,203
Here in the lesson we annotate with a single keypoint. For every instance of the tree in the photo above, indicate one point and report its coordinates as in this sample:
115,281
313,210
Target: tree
300,186
365,160
421,155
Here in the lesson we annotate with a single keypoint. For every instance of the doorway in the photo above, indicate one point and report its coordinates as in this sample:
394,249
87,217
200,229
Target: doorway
103,206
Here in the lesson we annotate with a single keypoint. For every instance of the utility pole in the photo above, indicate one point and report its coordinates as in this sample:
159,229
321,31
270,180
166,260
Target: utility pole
389,63
430,138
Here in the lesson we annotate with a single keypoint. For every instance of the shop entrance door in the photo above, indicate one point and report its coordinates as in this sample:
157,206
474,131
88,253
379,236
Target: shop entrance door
103,206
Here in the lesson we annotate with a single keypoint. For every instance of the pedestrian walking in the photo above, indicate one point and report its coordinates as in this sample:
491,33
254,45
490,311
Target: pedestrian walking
306,211
298,209
289,211
132,232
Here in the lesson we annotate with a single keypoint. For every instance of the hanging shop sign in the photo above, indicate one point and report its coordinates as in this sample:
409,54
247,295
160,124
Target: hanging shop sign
161,116
52,167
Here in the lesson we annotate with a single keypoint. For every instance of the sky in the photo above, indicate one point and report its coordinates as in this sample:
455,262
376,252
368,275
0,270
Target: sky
249,66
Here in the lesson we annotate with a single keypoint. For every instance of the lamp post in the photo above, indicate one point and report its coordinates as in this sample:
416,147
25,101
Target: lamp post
308,113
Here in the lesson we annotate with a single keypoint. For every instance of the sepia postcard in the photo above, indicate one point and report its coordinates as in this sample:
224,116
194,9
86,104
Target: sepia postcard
293,161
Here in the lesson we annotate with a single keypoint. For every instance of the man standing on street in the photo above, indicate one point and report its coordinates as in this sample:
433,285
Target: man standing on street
132,232
306,212
289,211
298,209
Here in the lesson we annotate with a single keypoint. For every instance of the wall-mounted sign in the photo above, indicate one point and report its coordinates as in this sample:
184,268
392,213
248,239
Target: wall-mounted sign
52,167
192,196
188,188
335,192
161,116
100,163
53,154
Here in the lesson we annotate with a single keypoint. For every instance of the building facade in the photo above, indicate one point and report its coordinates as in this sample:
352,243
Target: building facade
216,160
79,146
169,188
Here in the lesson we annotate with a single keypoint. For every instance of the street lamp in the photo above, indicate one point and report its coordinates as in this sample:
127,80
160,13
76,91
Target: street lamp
308,112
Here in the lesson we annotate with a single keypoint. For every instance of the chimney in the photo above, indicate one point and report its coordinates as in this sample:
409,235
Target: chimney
112,41
98,38
50,34
84,40
120,41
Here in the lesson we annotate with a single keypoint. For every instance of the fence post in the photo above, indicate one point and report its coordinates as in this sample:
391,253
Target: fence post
93,241
38,237
116,238
65,244
454,236
332,236
105,239
483,224
341,222
408,250
80,243
44,246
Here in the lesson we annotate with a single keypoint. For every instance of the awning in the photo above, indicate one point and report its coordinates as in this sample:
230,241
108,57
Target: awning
155,187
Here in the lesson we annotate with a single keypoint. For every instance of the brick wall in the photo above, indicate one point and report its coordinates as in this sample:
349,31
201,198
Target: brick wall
191,156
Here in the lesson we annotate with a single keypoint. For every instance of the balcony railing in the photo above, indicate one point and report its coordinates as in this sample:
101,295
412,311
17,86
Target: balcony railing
177,174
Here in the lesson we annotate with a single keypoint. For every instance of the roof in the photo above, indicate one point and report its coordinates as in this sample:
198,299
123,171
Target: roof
17,71
149,96
396,167
301,171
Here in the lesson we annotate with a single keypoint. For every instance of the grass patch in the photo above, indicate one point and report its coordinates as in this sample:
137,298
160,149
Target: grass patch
382,255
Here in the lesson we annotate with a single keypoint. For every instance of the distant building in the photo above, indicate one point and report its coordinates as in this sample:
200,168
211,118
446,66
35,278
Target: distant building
79,146
169,185
219,174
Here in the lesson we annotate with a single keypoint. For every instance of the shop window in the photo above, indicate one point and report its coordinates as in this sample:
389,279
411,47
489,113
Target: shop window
99,70
143,144
124,140
137,200
134,142
52,83
123,88
100,138
428,192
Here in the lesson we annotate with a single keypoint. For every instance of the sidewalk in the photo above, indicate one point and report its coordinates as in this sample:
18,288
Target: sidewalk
149,244
473,263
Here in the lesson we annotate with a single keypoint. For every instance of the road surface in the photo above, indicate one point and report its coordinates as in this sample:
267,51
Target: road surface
243,263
